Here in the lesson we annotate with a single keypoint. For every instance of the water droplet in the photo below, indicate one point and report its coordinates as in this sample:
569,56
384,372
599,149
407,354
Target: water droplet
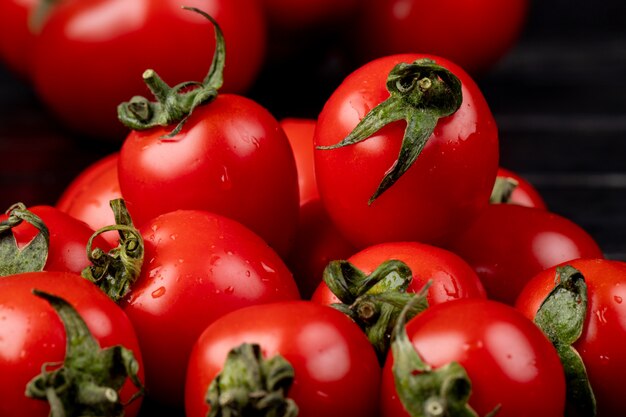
618,299
604,359
248,273
154,227
173,236
229,290
225,180
600,315
158,292
214,259
267,268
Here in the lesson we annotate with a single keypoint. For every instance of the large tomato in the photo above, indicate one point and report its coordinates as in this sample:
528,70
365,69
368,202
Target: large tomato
336,373
90,54
510,364
197,267
509,244
443,189
472,33
31,334
602,342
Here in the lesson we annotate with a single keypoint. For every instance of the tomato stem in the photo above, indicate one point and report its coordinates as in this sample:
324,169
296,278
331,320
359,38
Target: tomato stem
502,190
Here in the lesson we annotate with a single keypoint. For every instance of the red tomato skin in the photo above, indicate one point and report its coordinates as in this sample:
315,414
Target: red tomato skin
16,39
507,358
448,28
336,370
448,185
67,251
87,197
231,158
603,340
509,244
32,334
197,267
90,55
452,278
300,134
524,194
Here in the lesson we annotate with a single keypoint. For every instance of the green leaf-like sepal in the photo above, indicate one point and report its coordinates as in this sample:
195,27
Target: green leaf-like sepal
502,190
421,93
33,256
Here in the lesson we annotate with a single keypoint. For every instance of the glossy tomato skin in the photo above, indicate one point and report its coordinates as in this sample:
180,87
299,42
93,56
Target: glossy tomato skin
90,55
507,358
87,197
197,267
231,158
444,189
603,340
67,251
524,194
336,370
300,133
16,38
509,244
32,334
448,28
452,278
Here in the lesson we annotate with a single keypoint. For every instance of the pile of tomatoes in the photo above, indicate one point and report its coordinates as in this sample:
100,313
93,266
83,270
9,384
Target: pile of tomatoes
372,261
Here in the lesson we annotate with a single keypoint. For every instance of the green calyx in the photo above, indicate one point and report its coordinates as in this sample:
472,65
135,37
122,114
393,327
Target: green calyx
33,256
90,378
175,104
250,385
502,190
373,301
423,391
115,272
561,317
421,93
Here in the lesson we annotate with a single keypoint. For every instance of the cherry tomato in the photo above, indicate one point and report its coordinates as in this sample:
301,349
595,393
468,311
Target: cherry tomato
524,193
32,334
67,250
452,278
16,37
475,34
603,340
91,54
508,360
509,244
231,157
336,370
87,197
197,267
441,192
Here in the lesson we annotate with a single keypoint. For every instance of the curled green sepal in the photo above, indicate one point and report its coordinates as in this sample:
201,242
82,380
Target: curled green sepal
561,316
502,190
115,272
175,104
90,378
373,301
250,385
31,257
421,93
423,391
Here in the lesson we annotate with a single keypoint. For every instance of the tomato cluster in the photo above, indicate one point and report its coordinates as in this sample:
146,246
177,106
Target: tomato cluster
375,260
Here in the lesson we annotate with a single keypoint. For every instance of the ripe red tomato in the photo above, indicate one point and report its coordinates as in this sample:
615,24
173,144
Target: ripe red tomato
474,34
444,189
603,340
91,54
67,250
16,37
336,371
524,193
452,278
87,197
231,157
300,134
197,267
32,334
509,244
507,358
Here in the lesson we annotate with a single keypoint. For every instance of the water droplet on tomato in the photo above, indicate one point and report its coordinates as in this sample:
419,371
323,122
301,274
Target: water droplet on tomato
248,273
173,236
225,179
158,292
229,290
618,299
267,268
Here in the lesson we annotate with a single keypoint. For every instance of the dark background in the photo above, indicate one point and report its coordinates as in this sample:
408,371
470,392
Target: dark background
559,98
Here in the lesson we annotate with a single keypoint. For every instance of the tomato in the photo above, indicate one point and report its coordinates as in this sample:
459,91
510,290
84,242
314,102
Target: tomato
509,244
91,54
335,368
197,267
523,192
508,360
475,34
67,250
16,38
32,334
603,340
300,134
452,278
445,187
87,197
297,16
